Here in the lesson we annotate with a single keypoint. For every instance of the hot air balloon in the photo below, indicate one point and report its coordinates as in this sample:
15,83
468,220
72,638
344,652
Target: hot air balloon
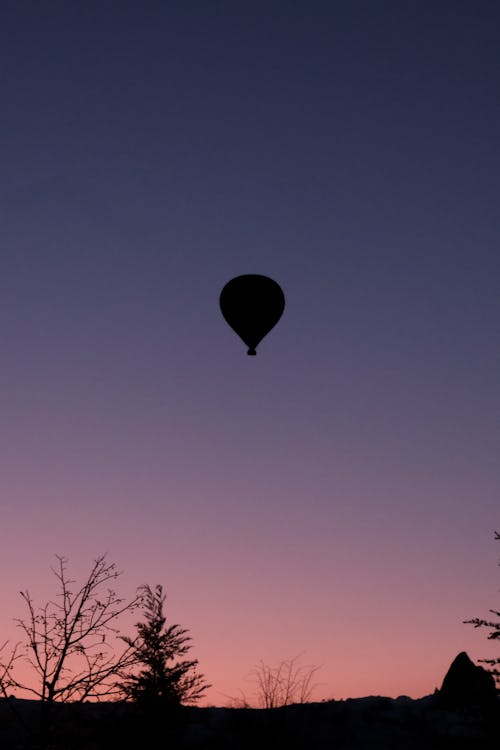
252,304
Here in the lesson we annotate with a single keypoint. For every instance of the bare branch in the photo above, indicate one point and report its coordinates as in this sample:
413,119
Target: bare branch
493,635
67,643
284,684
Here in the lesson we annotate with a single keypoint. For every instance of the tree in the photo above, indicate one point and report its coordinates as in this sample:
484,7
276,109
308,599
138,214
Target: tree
67,643
161,683
493,635
282,685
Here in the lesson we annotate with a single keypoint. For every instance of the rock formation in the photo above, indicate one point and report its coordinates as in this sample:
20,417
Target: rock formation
467,685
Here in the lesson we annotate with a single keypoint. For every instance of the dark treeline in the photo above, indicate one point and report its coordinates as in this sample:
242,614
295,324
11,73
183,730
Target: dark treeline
87,694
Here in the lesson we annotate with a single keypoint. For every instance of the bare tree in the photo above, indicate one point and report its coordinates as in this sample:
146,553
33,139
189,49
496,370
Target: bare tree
282,685
67,643
493,635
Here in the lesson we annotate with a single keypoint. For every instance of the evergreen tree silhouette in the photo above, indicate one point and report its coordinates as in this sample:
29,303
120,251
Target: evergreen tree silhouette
165,680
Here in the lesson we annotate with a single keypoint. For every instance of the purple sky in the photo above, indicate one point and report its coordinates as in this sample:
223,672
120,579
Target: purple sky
338,493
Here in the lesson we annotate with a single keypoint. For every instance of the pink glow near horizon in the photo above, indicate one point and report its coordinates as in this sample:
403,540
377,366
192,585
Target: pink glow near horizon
337,494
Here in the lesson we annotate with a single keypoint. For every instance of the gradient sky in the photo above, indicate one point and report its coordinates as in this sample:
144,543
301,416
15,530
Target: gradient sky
337,494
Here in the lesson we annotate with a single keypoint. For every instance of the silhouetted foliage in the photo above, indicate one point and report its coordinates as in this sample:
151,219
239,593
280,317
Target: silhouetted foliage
67,644
493,635
282,685
162,681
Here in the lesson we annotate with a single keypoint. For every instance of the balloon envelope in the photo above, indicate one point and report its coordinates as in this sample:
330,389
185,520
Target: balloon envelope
252,304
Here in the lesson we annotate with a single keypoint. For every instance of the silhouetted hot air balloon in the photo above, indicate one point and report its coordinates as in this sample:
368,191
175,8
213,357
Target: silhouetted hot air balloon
252,304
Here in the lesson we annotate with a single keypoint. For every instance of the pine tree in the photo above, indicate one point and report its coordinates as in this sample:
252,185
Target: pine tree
162,681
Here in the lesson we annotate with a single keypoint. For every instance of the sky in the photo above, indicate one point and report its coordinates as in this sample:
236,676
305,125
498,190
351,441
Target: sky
335,496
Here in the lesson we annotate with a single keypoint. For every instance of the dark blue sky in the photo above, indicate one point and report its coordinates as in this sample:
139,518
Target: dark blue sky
149,152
